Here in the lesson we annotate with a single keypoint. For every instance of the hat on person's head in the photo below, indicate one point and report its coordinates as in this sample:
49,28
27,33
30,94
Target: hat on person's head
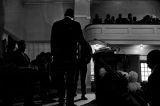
69,12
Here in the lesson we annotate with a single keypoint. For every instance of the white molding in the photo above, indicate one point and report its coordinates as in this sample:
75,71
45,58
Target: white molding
45,2
82,16
125,34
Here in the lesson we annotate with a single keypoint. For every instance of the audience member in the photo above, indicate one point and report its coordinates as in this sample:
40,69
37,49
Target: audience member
21,58
133,84
9,55
113,87
43,64
136,93
7,68
130,18
64,52
147,19
153,61
110,84
107,20
112,20
119,20
135,20
22,62
97,19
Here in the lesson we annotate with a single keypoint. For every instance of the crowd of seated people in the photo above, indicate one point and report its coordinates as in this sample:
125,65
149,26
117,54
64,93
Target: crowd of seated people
42,63
119,88
116,87
130,19
23,79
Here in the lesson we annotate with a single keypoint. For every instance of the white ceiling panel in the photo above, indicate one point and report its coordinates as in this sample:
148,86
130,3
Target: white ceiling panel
45,1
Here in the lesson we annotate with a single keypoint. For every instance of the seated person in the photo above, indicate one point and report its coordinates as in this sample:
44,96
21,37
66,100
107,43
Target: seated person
135,88
42,64
25,73
112,86
21,58
133,84
107,20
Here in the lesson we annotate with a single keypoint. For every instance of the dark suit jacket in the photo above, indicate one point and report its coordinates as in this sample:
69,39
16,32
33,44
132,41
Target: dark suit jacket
153,87
85,54
65,35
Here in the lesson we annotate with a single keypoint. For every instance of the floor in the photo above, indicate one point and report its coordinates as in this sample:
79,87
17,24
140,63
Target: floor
78,101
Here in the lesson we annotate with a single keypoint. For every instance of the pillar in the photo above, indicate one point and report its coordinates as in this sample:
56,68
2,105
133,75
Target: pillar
82,12
82,15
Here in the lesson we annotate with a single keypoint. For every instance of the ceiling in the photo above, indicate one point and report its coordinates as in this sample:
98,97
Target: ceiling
74,0
45,1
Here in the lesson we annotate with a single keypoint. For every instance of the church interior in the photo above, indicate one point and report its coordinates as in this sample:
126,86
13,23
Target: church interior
131,38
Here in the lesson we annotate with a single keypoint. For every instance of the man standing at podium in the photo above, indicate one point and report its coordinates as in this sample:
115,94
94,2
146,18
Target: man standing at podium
65,35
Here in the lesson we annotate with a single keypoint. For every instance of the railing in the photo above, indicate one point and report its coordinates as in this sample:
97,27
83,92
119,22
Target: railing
124,34
7,33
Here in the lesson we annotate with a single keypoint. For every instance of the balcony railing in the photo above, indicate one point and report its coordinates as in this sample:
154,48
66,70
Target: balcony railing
124,34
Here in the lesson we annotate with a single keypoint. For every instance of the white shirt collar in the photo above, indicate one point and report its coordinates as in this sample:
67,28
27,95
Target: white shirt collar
70,17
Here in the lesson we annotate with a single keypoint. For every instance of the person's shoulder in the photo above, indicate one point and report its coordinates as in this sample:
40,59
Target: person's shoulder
75,22
156,70
58,22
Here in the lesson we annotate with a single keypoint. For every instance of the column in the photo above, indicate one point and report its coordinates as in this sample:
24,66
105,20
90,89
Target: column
82,15
82,12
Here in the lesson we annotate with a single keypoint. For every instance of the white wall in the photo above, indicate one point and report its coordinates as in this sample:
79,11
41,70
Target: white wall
40,17
33,20
138,8
14,17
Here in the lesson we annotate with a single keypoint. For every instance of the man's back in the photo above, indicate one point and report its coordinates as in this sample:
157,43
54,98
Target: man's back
65,35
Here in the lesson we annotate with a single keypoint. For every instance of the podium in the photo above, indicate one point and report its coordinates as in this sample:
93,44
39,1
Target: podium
105,59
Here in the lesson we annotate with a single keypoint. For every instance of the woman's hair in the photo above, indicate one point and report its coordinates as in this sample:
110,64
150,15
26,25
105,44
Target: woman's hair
133,85
132,76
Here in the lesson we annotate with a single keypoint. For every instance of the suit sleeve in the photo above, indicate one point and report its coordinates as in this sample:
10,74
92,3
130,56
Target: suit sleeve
81,38
52,38
85,46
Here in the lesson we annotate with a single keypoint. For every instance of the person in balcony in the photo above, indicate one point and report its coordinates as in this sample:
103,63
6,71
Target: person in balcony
112,20
130,18
97,20
107,20
121,20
